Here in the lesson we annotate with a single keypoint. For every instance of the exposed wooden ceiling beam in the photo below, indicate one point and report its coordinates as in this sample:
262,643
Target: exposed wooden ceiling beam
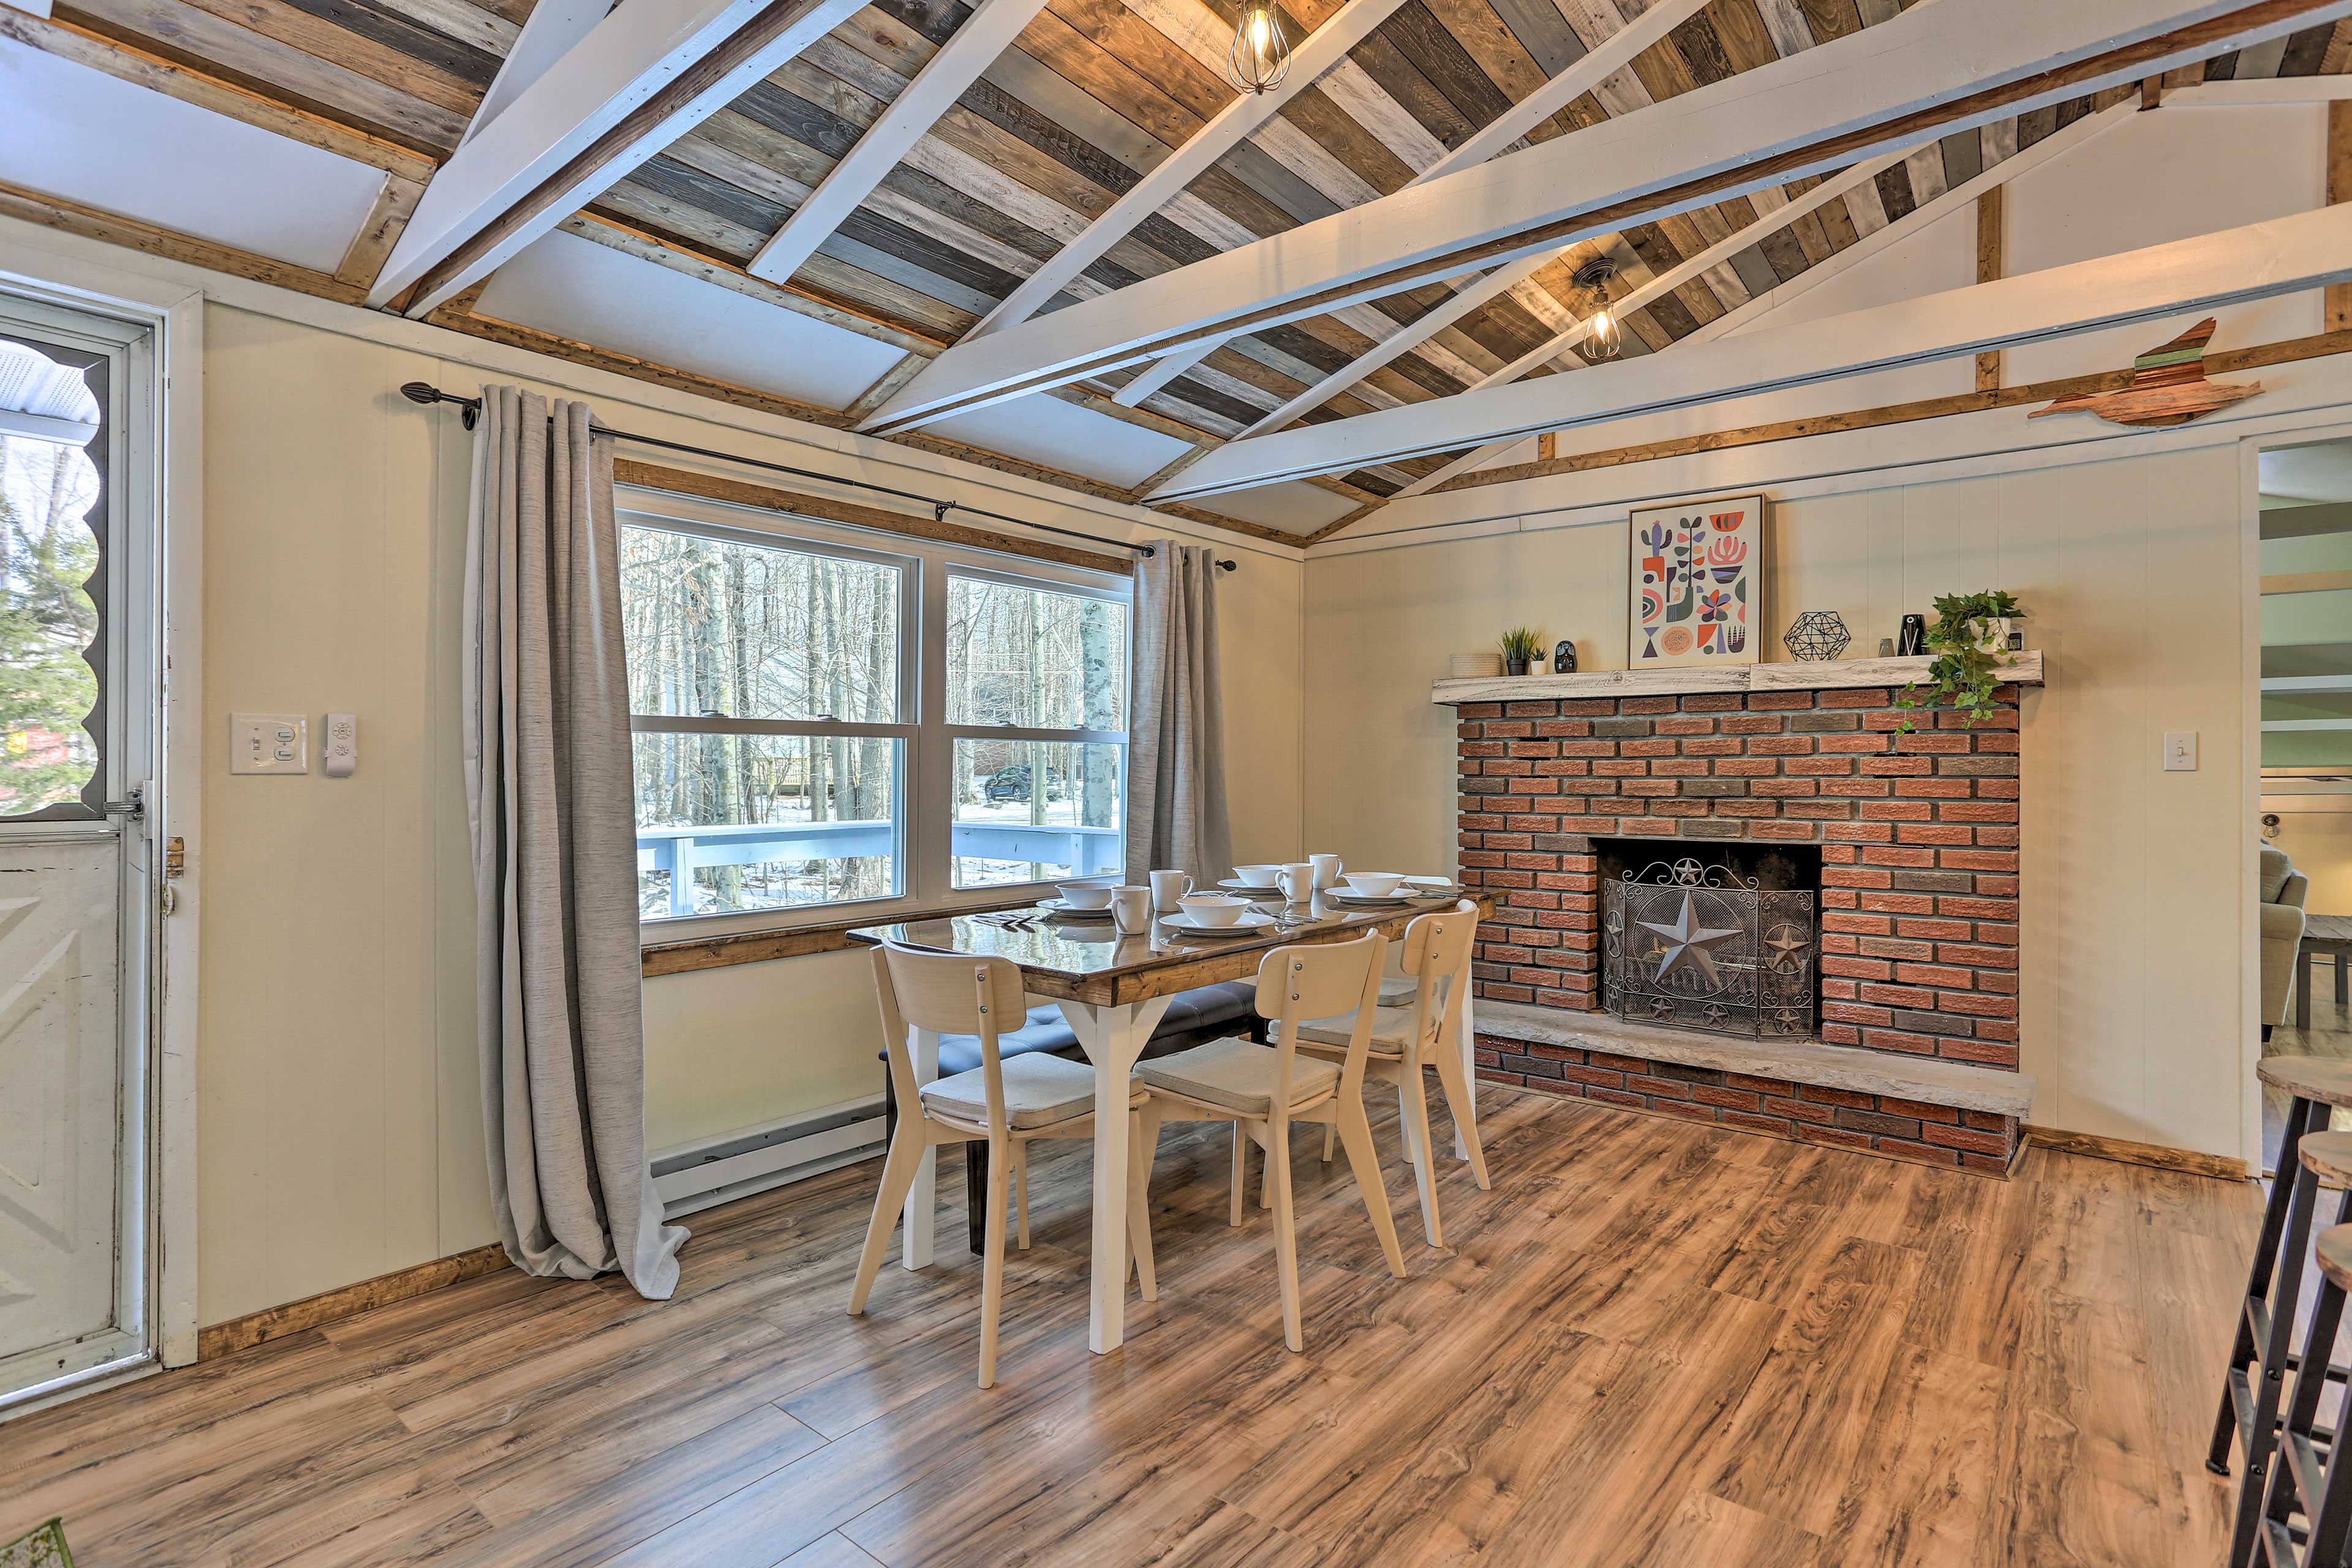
1932,70
945,77
2196,275
1321,50
642,77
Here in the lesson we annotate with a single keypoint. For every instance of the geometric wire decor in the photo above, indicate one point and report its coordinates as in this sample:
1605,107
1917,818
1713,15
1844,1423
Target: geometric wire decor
1698,947
1817,635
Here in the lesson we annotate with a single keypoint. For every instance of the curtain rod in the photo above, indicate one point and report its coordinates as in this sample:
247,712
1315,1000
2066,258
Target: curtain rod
424,393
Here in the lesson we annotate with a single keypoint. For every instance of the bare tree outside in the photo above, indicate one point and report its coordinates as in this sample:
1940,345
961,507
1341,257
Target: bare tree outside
721,629
46,621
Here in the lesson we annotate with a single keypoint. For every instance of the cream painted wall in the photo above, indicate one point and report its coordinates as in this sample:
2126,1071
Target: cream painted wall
2131,571
340,1131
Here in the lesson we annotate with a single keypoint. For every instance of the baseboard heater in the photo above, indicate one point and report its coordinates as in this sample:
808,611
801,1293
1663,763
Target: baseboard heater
749,1159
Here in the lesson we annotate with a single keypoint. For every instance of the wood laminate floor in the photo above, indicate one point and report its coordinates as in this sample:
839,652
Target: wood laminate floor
1649,1344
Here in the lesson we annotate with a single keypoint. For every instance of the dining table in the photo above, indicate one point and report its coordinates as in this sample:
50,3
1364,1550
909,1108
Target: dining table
1112,986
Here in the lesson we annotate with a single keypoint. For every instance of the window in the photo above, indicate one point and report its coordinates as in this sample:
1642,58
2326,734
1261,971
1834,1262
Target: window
819,722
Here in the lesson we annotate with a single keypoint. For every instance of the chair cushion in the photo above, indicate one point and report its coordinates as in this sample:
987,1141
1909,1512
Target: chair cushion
1238,1075
1046,1031
1391,1028
1203,1007
1039,1089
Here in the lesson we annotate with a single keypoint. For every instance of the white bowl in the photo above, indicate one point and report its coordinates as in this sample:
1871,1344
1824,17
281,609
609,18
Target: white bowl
1213,908
1256,876
1086,895
1374,884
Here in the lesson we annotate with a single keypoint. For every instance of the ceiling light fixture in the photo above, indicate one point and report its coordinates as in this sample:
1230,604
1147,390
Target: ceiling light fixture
1260,58
1603,337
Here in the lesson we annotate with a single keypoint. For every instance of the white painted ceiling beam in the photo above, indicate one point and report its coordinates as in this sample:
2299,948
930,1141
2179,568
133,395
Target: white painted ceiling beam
549,33
2304,726
1325,47
1610,56
1932,70
2189,277
2057,144
2281,685
971,49
643,77
1504,278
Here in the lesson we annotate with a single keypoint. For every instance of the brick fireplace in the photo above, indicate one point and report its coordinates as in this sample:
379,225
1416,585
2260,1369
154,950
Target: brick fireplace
1917,836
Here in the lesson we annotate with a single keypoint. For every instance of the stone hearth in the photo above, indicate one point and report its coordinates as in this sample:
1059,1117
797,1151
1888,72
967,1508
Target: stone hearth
1918,838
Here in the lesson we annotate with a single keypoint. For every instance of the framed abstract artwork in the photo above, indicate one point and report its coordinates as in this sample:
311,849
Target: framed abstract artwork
1696,584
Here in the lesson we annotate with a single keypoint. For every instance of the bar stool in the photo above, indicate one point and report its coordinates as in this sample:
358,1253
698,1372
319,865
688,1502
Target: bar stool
2262,1349
2298,1483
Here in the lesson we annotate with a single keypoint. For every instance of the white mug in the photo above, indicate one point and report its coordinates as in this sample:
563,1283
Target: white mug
1296,881
1326,871
1166,887
1131,908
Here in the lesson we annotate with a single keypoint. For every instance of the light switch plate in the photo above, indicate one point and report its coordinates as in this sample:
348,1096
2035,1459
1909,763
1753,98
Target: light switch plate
2181,751
268,743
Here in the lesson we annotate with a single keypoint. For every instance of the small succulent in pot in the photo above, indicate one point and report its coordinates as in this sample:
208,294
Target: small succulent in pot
1970,642
1521,647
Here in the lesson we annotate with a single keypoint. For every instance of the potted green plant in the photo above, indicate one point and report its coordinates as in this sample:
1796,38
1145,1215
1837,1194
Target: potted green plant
1521,648
1969,640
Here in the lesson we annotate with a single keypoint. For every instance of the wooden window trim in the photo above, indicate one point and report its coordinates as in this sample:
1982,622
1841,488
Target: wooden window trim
742,493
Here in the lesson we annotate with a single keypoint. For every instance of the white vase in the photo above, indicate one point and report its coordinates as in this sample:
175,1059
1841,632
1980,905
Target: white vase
1992,634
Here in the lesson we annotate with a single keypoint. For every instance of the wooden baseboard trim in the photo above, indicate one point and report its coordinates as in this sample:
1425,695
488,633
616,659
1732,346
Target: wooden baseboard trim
331,1306
2220,1167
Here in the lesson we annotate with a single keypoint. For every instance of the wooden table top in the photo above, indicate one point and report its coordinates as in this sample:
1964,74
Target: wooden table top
2327,933
1094,962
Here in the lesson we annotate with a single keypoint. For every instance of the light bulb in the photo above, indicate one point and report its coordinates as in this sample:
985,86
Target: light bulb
1603,339
1260,56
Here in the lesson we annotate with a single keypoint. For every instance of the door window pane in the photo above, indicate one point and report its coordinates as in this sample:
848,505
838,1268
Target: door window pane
1007,829
730,823
717,628
1034,658
47,621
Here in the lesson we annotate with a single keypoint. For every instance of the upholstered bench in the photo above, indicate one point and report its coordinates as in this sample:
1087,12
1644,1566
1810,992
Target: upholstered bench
1203,1013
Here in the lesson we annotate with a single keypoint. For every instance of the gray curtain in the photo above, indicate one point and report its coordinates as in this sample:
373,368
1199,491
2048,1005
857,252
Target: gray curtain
1176,747
546,715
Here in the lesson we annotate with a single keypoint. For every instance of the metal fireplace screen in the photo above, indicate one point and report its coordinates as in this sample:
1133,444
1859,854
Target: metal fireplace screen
1699,947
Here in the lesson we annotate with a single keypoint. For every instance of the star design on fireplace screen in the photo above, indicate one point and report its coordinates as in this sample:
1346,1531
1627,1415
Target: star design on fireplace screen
1686,941
1784,942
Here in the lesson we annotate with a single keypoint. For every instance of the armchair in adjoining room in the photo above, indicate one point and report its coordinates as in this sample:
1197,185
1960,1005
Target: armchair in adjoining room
2283,889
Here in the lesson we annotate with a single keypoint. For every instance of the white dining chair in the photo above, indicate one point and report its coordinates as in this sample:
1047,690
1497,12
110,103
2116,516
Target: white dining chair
1411,1038
1008,1103
1262,1089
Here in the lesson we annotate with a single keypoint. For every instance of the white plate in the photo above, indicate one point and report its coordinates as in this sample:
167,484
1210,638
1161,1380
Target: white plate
1056,906
1251,921
1413,893
1231,885
1370,901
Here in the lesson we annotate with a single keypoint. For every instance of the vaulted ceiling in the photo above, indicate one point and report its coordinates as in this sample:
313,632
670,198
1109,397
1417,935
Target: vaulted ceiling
1093,94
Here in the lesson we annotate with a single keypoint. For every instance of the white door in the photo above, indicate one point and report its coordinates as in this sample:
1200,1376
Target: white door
78,731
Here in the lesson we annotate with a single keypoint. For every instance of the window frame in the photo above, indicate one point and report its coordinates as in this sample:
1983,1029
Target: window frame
922,783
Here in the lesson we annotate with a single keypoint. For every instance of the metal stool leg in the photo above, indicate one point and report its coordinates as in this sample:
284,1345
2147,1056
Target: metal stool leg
2298,1482
2270,1323
2301,1114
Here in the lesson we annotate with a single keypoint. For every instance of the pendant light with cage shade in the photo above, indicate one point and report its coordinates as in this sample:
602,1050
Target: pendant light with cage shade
1604,334
1260,56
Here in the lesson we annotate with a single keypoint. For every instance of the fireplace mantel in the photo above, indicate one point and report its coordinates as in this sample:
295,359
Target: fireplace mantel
1836,675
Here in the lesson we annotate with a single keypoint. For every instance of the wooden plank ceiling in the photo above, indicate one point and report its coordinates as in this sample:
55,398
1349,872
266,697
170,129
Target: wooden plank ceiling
1095,93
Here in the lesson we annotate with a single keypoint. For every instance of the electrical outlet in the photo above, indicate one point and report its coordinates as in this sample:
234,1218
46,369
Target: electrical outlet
268,743
2181,751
